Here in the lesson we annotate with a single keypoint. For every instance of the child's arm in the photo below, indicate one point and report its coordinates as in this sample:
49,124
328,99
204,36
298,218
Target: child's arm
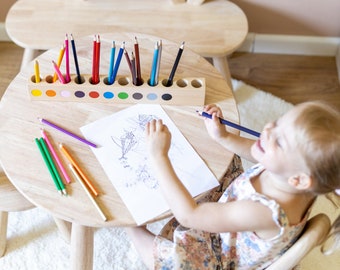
212,217
217,131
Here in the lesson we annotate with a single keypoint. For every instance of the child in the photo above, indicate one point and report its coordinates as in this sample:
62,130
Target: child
262,212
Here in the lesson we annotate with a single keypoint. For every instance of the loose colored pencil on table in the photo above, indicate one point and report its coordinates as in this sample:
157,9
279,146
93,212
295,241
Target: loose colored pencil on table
173,71
44,121
138,69
67,57
59,187
75,58
55,156
80,180
231,124
79,170
118,60
60,59
36,71
59,74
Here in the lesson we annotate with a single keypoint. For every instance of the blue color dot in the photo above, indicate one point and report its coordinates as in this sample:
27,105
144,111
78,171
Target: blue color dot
152,96
108,95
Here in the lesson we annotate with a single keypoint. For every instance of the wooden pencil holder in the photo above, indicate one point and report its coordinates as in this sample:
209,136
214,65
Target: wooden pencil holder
183,91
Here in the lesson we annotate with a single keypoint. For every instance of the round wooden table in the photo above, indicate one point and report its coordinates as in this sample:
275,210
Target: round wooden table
19,126
214,29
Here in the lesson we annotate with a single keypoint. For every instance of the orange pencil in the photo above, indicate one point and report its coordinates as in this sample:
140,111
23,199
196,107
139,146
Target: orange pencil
75,165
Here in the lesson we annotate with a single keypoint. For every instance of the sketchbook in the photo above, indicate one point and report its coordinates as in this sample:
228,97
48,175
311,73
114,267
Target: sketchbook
123,155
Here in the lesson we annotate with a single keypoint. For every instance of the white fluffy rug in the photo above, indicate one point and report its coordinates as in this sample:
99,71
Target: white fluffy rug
33,240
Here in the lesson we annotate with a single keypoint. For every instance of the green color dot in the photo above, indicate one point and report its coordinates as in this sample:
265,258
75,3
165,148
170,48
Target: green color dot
123,95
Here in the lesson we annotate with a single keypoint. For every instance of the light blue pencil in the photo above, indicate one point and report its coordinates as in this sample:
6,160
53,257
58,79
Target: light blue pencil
112,59
116,66
154,66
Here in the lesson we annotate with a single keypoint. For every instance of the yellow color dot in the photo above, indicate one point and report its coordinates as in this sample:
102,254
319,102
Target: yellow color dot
36,92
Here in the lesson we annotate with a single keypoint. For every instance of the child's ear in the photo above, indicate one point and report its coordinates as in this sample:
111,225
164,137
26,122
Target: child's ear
300,181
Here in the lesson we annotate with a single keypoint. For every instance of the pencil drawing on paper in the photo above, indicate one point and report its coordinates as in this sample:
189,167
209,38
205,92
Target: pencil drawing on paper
128,143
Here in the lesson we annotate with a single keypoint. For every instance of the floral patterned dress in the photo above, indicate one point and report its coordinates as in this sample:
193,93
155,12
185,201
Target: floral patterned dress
177,247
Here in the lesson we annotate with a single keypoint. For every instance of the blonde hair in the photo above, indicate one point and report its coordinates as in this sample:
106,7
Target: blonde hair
318,139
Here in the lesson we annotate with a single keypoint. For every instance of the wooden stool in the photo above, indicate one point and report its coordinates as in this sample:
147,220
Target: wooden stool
11,200
213,29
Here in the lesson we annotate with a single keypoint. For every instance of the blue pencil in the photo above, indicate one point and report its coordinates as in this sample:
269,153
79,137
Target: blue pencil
116,66
231,124
154,65
112,59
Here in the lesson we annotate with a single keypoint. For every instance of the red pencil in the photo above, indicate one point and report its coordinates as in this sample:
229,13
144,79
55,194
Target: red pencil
138,70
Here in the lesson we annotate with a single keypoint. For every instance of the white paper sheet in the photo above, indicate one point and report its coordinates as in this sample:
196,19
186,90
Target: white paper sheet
122,153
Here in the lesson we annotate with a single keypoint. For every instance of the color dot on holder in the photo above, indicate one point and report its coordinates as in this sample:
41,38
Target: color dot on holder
79,94
123,95
137,96
152,96
36,93
94,94
65,93
51,93
166,97
108,95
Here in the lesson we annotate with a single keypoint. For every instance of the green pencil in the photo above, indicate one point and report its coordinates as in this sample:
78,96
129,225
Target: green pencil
48,165
53,166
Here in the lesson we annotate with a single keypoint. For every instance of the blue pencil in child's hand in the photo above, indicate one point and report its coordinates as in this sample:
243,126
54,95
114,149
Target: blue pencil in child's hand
231,124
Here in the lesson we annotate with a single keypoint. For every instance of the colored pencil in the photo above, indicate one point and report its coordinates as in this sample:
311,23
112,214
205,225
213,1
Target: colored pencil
138,69
128,62
173,71
158,61
55,156
118,60
231,124
112,60
75,165
44,121
133,71
67,56
48,165
59,74
80,180
97,58
53,166
60,59
36,71
154,65
75,59
94,59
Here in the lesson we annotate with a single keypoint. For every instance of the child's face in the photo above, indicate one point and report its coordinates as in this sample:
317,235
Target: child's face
276,149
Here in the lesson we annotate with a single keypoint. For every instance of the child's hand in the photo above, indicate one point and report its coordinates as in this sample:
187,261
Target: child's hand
215,129
158,138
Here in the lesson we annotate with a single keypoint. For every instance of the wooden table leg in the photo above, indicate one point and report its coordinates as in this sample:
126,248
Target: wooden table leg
64,228
28,56
3,232
81,247
221,64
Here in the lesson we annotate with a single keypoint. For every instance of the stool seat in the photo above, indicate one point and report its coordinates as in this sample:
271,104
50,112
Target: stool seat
11,199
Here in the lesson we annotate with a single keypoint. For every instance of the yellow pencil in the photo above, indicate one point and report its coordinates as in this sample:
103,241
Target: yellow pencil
79,179
36,71
60,58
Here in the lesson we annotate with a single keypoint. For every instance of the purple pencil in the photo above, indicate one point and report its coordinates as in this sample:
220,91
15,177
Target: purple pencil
44,121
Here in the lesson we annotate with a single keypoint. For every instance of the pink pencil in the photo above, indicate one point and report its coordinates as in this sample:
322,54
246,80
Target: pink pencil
57,70
67,53
54,154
